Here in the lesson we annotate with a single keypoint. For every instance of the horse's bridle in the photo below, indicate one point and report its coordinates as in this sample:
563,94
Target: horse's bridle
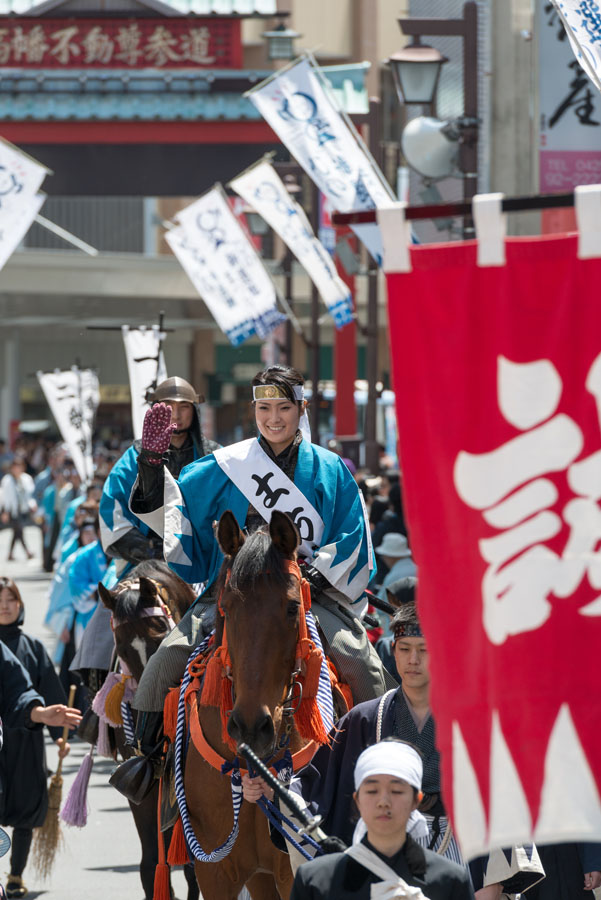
294,694
147,611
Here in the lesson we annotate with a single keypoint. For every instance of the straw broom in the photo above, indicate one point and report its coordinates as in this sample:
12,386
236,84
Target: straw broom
48,838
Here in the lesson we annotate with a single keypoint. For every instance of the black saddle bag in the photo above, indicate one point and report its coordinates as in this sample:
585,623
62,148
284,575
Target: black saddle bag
135,777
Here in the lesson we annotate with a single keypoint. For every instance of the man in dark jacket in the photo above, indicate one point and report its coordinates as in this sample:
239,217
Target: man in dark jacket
386,861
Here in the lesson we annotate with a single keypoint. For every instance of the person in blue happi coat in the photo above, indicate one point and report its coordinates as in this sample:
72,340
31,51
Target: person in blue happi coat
281,470
125,537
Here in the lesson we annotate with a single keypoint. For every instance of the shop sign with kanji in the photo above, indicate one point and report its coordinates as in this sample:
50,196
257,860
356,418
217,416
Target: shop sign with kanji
120,43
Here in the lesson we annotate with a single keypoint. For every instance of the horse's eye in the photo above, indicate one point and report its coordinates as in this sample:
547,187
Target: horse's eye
292,609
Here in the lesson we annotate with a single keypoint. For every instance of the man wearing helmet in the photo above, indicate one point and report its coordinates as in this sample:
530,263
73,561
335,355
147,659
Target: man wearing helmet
123,535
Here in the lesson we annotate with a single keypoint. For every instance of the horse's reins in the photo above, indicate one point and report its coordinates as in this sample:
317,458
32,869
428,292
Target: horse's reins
303,646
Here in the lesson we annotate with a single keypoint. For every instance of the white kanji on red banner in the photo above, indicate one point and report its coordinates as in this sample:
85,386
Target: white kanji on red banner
508,485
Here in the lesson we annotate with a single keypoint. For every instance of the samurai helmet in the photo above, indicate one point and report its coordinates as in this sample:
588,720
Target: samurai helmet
177,389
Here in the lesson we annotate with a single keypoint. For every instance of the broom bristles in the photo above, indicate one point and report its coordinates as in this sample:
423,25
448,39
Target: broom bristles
48,838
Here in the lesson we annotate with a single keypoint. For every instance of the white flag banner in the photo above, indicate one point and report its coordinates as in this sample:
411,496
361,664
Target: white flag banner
145,366
582,22
20,202
73,396
15,222
224,267
264,190
304,117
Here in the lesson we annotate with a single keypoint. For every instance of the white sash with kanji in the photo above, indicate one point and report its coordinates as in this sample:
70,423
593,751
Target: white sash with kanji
266,488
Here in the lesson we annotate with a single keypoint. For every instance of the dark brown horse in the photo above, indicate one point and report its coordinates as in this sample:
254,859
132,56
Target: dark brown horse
260,597
140,606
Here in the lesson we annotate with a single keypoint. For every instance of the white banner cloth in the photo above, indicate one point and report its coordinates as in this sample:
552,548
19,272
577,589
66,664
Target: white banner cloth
145,366
266,488
224,267
20,202
264,190
73,396
303,116
582,22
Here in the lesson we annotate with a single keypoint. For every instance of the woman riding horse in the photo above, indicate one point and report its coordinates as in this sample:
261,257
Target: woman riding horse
284,471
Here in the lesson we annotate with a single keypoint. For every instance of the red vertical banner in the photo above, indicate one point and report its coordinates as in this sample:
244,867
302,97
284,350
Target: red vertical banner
498,383
345,355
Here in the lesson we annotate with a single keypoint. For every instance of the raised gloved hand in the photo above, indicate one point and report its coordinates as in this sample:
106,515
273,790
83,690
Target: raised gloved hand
156,432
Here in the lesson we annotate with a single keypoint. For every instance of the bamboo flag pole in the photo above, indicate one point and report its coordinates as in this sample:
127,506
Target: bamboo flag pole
48,837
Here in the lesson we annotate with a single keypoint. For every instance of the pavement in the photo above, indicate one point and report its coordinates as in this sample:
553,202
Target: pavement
99,861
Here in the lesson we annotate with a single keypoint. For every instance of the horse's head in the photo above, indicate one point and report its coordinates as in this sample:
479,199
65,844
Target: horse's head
260,601
144,608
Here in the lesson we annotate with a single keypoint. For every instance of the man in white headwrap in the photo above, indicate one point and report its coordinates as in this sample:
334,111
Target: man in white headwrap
386,863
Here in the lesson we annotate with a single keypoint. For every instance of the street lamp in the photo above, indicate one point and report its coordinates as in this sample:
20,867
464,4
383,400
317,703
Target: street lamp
294,189
430,143
280,42
415,71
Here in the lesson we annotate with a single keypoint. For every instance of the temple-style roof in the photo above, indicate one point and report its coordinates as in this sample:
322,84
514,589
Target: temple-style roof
152,94
165,7
123,94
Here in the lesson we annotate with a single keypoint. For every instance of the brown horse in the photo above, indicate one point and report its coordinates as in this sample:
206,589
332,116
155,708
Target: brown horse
144,607
260,599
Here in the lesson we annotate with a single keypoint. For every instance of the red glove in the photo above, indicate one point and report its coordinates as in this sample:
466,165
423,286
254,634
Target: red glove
156,432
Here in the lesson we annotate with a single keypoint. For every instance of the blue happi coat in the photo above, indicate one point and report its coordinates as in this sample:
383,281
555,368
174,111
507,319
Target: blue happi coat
204,492
116,518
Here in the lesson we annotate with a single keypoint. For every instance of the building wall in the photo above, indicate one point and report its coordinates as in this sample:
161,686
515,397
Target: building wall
336,31
513,104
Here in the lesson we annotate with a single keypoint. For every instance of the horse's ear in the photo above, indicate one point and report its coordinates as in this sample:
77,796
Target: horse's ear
106,596
147,590
283,533
229,536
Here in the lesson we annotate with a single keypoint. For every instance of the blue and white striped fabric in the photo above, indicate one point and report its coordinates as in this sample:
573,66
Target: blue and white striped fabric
452,850
325,701
128,722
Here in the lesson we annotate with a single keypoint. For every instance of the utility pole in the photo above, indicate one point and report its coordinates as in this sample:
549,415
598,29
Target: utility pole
371,445
314,343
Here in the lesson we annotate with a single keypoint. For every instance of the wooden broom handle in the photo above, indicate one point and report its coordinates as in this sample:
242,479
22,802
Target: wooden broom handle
70,701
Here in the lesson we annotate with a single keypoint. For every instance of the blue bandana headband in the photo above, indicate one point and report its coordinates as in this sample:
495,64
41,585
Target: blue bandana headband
406,629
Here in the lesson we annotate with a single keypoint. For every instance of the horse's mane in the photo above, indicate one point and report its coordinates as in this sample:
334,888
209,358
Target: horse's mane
257,558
